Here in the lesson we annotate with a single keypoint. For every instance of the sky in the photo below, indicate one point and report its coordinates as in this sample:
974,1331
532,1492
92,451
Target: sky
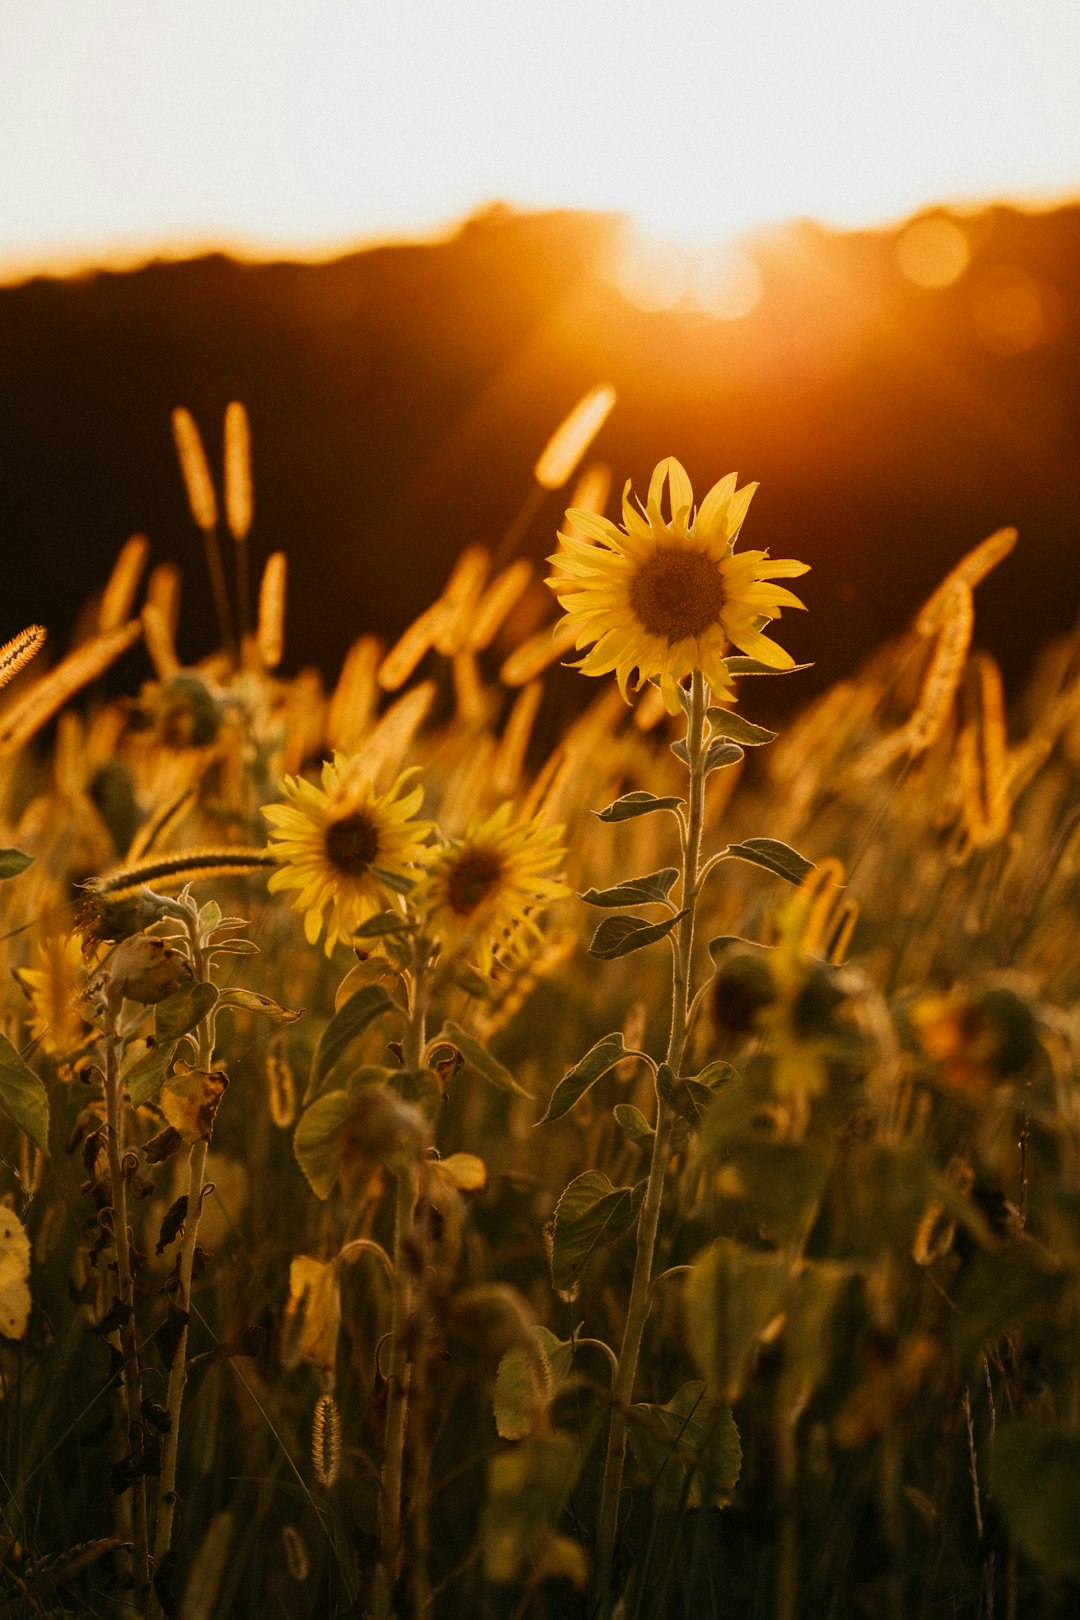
136,128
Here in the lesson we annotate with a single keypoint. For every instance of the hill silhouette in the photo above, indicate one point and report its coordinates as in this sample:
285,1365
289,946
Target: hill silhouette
399,396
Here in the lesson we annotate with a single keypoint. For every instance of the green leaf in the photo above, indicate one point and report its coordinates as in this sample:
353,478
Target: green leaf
397,881
598,1060
317,1140
637,804
731,1297
635,1125
732,1110
481,1059
527,1382
718,946
144,1078
1035,1481
1017,1285
726,723
591,1211
641,891
740,665
618,936
179,1013
807,1345
251,1001
383,922
784,1183
689,1449
23,1096
527,1489
12,862
721,754
774,856
346,1026
691,1101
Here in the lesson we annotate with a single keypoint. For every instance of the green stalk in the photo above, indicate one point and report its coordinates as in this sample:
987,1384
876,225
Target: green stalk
178,1371
126,1291
649,1220
402,1307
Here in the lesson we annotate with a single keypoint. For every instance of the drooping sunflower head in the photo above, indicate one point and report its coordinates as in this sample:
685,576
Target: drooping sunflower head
342,846
482,890
665,596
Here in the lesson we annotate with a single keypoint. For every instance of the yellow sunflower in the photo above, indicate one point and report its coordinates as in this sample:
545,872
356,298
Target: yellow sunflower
56,991
481,889
665,598
342,844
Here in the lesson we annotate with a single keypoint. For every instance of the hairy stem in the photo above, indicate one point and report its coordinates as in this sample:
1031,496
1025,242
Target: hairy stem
649,1220
181,1299
126,1293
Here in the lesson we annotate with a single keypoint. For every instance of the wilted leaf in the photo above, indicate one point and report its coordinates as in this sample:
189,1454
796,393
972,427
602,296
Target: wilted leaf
23,1096
618,936
352,1134
689,1449
773,856
143,1079
317,1140
464,1172
190,1099
637,804
312,1314
180,1012
171,1223
591,1211
640,891
251,1001
598,1060
527,1382
14,1275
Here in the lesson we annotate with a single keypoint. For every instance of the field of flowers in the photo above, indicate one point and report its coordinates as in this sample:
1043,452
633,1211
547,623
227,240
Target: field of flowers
442,1174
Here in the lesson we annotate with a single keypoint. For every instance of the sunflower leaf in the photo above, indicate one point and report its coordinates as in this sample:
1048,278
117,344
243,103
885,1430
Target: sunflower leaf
185,1008
251,1001
481,1059
726,723
144,1078
590,1212
23,1096
383,922
640,891
598,1060
720,754
618,936
637,804
774,856
739,665
634,1123
347,1024
394,880
12,862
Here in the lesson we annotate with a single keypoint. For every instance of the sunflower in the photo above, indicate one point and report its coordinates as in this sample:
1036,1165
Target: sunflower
665,598
481,889
56,991
342,845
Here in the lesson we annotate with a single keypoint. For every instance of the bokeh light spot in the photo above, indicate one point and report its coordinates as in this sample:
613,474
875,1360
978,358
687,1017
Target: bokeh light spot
933,252
727,283
1014,312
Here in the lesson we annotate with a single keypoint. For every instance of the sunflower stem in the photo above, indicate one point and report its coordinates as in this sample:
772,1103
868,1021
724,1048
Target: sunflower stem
649,1219
402,1309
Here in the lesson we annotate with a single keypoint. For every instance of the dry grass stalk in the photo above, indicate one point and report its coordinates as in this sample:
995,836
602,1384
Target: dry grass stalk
326,1440
159,642
17,652
239,502
535,654
572,438
495,604
173,871
459,599
946,667
969,571
76,671
355,696
163,591
196,473
510,759
409,649
119,593
271,629
589,494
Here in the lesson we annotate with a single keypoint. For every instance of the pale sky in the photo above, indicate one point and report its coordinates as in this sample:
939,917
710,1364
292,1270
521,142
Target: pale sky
138,127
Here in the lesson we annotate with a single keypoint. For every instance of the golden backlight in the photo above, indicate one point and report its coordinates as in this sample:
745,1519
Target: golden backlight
304,128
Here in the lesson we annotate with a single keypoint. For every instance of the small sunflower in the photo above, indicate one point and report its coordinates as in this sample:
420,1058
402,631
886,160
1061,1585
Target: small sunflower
665,598
341,845
56,993
481,889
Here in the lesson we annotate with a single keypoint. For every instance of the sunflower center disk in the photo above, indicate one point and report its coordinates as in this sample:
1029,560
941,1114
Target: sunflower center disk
352,843
471,879
677,593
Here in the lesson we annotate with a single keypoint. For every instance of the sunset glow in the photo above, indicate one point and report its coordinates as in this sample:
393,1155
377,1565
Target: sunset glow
309,128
